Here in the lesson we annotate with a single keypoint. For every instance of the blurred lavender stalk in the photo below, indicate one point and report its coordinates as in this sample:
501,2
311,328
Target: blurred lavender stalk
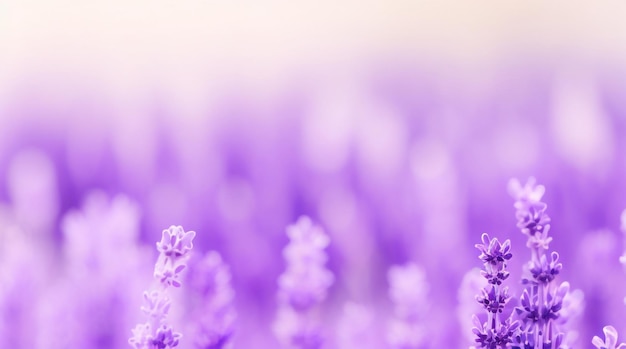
408,290
90,304
303,286
210,300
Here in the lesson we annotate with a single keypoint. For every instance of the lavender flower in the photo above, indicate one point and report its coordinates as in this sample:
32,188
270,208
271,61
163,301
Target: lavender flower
542,299
303,286
213,312
408,291
610,339
174,250
496,332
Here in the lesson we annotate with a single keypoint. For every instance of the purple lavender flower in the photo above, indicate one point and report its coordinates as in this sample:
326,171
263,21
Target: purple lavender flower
496,332
303,286
175,242
542,300
408,291
610,339
213,312
174,249
530,211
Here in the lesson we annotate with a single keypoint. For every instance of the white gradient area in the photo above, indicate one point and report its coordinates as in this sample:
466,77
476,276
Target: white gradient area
327,130
188,48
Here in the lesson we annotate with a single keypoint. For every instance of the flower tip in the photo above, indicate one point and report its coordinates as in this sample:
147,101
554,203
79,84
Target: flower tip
610,334
597,342
485,238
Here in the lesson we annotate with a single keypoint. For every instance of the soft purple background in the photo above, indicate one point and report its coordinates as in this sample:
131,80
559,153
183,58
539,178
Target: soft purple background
404,158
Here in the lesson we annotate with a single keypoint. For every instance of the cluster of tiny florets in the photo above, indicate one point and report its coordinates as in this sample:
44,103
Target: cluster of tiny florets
495,332
174,249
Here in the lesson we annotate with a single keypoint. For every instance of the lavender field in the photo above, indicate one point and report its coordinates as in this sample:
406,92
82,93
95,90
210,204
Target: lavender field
349,176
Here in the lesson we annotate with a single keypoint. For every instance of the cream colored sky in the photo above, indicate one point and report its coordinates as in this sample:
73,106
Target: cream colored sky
128,44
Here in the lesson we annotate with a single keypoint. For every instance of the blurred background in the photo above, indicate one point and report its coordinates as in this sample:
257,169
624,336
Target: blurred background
394,125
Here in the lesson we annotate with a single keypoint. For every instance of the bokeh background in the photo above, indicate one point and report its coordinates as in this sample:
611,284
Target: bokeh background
394,125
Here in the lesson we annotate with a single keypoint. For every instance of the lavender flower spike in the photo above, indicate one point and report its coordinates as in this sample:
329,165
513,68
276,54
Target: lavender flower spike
530,210
496,332
610,341
174,250
303,286
542,300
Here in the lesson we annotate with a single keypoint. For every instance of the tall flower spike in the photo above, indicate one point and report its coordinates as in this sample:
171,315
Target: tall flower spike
408,291
542,300
303,286
530,210
496,332
174,249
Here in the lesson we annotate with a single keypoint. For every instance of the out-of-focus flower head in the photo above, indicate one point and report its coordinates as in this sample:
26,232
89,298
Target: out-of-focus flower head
303,286
528,193
408,290
530,210
156,305
213,313
296,330
306,280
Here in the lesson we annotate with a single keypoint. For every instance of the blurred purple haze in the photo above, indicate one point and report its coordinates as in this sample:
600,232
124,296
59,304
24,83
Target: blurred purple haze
400,159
